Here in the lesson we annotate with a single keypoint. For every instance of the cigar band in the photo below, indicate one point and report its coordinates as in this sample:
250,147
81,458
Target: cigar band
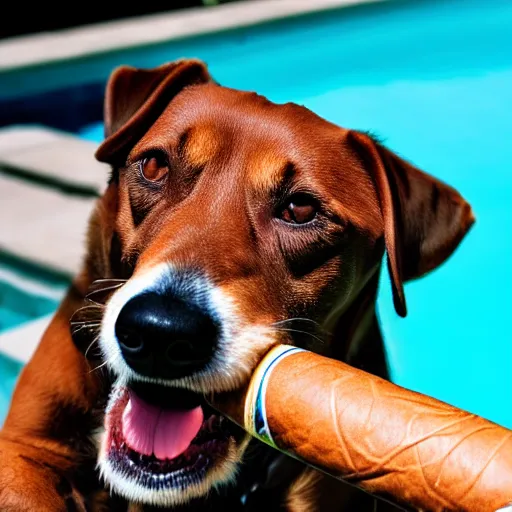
255,414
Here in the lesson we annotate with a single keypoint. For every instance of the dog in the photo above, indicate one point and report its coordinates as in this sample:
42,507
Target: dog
229,224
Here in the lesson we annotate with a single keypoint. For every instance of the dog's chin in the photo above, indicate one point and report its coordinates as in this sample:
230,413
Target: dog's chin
210,460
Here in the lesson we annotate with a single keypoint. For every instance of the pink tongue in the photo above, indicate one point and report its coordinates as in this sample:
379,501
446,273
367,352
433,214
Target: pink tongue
149,429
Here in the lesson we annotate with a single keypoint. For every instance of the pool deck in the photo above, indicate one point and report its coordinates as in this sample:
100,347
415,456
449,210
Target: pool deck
53,156
78,42
47,182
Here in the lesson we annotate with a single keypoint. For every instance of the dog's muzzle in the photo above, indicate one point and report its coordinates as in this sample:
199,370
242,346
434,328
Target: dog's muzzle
164,337
169,337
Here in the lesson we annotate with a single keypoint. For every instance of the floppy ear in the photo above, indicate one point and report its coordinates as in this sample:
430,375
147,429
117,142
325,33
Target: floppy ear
135,98
424,219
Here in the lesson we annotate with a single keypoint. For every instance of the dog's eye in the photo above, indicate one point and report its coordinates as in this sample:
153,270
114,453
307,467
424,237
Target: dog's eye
154,168
299,209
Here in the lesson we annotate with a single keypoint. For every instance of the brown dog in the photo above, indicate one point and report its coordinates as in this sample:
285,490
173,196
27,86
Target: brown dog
229,224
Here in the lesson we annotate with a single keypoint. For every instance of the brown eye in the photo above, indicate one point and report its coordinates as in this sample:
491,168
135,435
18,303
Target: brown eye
300,209
154,168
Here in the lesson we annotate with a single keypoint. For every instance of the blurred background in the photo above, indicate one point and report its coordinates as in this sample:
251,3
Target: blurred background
432,79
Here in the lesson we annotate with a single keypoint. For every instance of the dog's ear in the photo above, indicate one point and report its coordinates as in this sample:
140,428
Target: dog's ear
424,219
135,98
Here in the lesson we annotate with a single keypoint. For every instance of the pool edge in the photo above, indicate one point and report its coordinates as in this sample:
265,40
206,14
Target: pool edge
34,50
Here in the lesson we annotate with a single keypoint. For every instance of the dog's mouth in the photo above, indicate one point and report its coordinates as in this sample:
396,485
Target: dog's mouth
164,439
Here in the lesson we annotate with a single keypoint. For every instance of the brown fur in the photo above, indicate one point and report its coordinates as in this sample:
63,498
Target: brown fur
233,158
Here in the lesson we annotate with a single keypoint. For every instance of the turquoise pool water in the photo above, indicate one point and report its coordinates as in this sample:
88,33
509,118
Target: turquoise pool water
9,371
20,304
434,79
27,292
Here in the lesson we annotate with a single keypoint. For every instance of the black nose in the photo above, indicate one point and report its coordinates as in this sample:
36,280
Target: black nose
165,337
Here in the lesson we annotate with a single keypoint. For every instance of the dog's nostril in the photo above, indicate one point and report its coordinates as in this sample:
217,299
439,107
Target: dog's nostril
130,340
181,352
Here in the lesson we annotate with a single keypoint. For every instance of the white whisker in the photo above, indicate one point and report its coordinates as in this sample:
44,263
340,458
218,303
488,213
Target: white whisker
94,302
104,289
111,280
297,319
301,332
95,340
90,306
108,361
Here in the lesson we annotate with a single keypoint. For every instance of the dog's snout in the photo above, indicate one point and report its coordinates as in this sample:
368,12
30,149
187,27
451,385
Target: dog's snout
165,337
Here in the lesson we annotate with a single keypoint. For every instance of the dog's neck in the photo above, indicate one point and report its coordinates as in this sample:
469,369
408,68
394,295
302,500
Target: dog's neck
356,336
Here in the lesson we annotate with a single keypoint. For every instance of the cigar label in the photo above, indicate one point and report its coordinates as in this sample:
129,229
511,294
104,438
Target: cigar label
255,415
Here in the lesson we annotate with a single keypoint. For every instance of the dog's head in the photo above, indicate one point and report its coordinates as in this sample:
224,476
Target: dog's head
238,224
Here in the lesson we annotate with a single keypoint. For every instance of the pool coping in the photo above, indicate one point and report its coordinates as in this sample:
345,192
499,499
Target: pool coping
39,49
52,158
57,223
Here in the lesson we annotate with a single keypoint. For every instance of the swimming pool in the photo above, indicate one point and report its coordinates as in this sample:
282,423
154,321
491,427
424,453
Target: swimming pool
27,293
434,80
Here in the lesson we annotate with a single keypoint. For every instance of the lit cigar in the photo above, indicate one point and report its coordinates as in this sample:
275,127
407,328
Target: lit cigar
383,438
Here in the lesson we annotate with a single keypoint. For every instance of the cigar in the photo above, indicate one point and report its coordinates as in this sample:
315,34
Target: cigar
406,447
